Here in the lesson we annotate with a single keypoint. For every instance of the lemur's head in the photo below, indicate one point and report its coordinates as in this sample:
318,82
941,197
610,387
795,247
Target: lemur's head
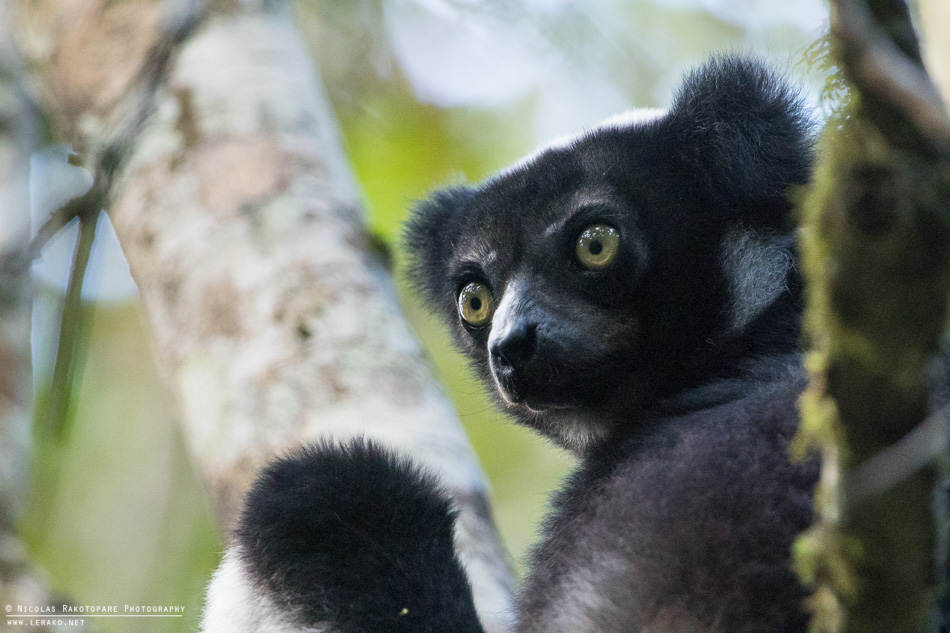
647,256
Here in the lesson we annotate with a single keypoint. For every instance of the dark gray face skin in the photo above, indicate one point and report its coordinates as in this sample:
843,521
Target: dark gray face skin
582,354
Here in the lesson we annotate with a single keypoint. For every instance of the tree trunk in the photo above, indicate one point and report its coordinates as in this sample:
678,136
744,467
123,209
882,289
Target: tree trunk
273,322
877,257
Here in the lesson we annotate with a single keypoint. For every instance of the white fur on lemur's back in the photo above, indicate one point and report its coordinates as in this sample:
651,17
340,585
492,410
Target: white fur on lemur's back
623,120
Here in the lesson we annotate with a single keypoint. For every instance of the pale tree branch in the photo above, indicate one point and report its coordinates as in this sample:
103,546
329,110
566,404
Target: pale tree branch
879,68
272,320
934,22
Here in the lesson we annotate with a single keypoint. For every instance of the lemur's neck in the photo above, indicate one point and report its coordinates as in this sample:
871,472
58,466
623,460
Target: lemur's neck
764,352
762,370
767,351
633,414
764,342
744,377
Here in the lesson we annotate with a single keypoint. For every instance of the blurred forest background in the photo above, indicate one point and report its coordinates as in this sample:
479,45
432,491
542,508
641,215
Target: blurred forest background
426,92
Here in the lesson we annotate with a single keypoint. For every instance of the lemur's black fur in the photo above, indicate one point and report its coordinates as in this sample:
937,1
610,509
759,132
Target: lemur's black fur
319,520
672,373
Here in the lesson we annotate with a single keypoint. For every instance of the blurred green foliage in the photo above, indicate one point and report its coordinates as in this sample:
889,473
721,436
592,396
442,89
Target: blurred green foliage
117,515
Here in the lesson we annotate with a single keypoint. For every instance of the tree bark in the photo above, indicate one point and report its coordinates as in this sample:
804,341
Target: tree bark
877,257
273,322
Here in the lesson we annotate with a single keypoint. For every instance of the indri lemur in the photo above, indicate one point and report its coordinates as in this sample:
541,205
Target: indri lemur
633,294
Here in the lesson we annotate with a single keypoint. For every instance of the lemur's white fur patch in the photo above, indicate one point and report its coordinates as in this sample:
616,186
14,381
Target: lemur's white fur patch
504,320
576,431
623,120
757,268
235,605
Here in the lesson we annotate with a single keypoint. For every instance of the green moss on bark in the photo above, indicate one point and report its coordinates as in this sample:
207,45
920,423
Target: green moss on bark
875,253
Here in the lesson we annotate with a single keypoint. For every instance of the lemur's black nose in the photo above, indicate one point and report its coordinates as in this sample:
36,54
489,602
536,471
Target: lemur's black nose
517,347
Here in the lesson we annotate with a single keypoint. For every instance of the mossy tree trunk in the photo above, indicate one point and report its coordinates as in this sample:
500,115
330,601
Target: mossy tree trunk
877,258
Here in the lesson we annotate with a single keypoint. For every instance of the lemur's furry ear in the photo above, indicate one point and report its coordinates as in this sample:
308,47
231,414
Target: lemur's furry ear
745,127
427,242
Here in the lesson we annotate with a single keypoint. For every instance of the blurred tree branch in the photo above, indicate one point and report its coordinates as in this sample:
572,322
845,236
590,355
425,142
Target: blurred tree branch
878,266
17,137
887,69
934,21
54,415
212,140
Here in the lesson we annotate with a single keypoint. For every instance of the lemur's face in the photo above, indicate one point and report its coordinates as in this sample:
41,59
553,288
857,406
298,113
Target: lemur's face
553,272
546,295
545,276
595,275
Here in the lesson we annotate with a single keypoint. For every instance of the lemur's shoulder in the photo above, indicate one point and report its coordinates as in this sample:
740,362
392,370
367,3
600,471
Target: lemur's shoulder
686,525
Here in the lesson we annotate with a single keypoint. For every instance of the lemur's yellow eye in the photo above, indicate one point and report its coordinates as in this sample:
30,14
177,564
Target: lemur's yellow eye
597,246
476,304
